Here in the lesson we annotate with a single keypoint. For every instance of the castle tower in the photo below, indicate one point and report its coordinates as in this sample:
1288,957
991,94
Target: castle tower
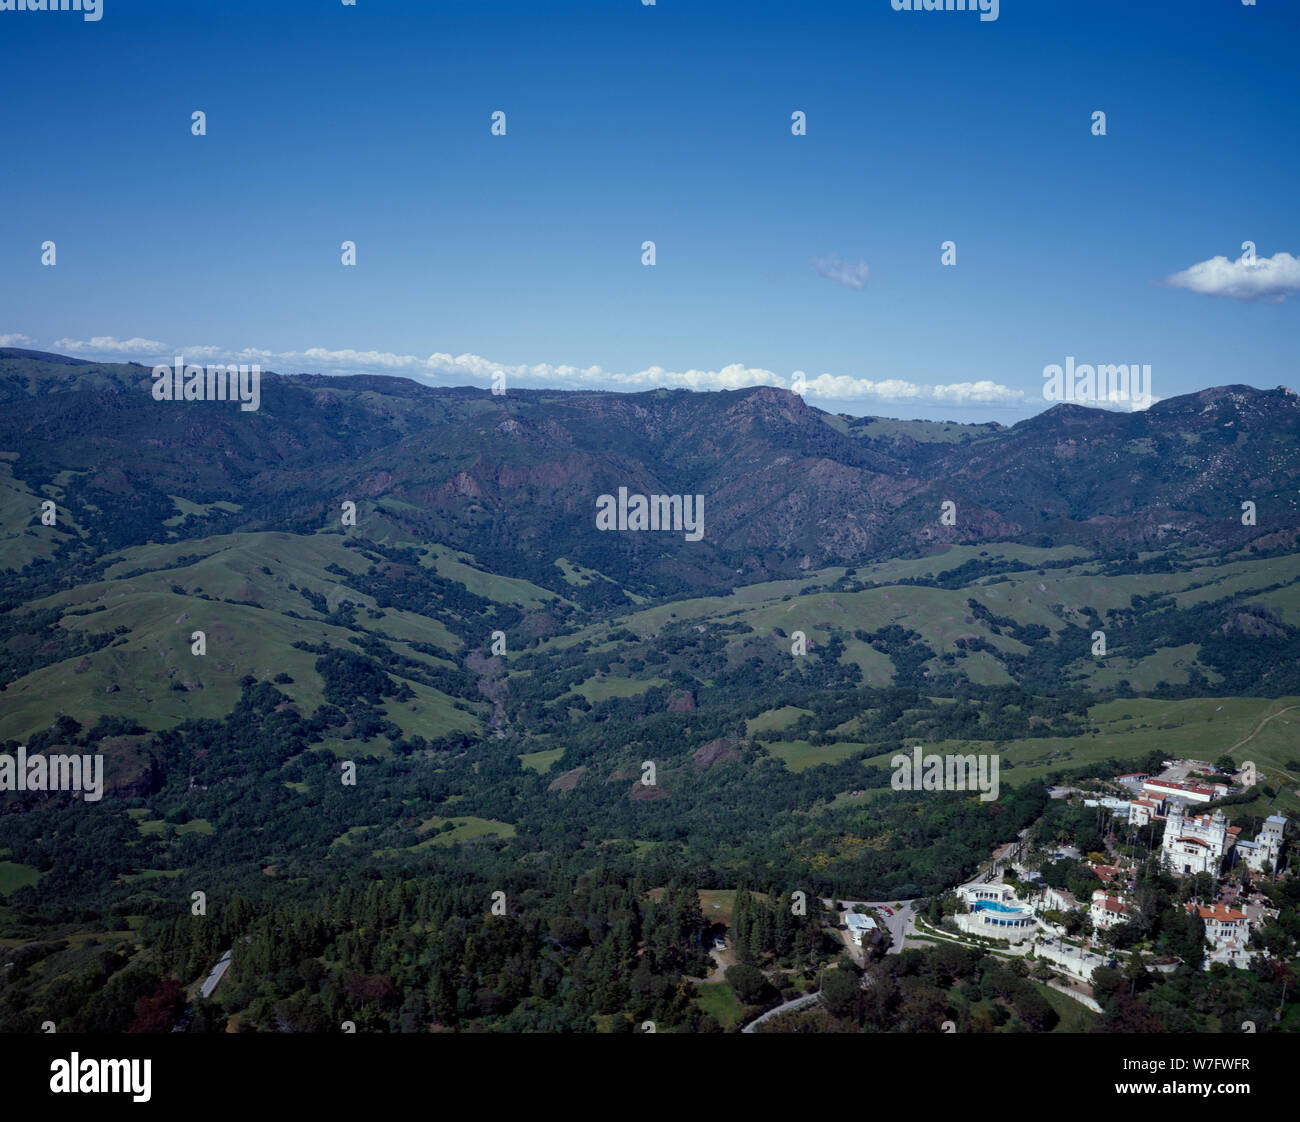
1218,836
1270,838
1173,825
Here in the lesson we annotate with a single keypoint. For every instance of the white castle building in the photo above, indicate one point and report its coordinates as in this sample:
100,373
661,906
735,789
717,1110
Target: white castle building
1199,843
1264,851
1195,844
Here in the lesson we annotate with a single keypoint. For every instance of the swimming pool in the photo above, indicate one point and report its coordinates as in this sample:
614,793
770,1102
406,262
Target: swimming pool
992,916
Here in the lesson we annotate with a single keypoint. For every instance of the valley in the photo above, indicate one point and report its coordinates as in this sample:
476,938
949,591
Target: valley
361,731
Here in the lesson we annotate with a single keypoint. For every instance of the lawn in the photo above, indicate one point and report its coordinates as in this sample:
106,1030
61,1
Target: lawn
541,762
799,755
716,999
772,719
1075,1016
602,688
463,830
193,826
151,874
14,876
717,904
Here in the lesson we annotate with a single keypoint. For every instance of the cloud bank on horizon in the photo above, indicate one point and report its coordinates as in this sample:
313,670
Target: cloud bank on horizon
446,369
1249,278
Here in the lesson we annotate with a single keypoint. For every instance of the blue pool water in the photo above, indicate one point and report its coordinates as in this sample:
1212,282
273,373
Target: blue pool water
993,906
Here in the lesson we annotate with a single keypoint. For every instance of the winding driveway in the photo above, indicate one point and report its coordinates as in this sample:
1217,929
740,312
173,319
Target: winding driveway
784,1007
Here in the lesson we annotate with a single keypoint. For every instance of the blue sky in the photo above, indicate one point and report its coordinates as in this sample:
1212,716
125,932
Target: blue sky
671,123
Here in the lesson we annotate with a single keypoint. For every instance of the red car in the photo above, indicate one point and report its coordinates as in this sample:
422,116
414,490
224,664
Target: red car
888,911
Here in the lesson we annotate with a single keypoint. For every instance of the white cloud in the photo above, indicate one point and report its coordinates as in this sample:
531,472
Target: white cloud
1125,403
384,360
1266,278
840,387
108,344
445,369
850,274
16,340
732,377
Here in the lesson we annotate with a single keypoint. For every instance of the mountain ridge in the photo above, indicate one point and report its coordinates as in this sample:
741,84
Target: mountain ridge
514,479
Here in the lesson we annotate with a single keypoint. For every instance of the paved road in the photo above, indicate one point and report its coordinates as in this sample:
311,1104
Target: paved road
785,1007
719,971
218,972
209,984
899,925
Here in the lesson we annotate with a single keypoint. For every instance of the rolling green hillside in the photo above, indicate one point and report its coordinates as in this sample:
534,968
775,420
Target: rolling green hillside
464,692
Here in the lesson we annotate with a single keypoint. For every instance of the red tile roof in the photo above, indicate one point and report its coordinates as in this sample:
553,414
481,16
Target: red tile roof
1192,788
1222,913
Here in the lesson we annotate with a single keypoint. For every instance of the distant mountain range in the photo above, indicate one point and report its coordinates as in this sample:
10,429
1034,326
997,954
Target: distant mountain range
514,479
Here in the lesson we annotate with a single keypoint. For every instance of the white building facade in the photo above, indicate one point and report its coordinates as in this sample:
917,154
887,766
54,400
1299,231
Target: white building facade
1107,911
1264,851
1193,844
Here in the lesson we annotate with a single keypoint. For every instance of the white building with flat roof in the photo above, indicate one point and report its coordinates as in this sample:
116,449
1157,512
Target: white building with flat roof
860,926
1191,792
